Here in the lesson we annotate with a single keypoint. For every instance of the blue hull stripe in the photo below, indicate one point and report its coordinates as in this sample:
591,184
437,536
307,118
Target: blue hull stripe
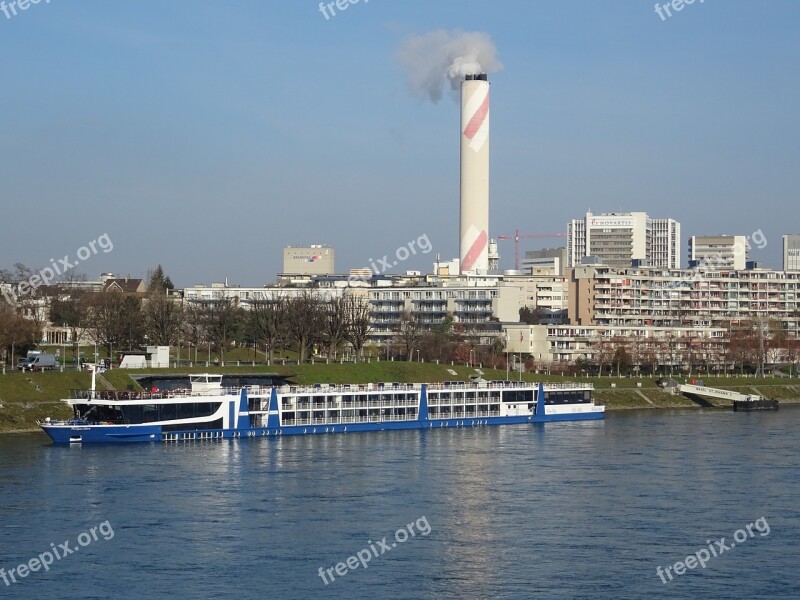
153,433
103,434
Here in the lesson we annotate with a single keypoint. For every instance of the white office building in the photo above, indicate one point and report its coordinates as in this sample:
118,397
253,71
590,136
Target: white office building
791,252
618,239
715,252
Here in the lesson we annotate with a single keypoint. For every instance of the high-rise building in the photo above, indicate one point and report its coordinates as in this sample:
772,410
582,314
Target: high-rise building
712,252
791,252
618,239
665,244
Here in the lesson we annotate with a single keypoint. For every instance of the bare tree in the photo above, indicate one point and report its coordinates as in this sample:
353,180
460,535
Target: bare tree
70,308
742,349
792,346
223,321
304,317
115,319
16,332
334,323
690,345
268,320
603,353
751,340
620,357
638,348
358,324
649,354
163,319
34,305
19,274
775,342
410,333
194,329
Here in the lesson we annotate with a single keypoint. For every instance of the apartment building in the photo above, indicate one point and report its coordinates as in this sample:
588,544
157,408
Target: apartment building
655,346
607,296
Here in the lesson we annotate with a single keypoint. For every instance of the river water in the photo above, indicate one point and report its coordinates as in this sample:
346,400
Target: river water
570,510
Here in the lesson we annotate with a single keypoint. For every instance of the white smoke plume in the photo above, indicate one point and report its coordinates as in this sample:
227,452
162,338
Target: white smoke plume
440,57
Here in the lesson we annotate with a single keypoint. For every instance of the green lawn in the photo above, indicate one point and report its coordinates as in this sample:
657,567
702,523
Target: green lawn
46,386
28,397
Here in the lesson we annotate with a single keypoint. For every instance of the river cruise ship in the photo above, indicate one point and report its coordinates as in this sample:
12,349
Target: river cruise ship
207,411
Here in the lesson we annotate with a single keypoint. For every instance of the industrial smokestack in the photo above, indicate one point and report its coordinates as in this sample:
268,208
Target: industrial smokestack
474,233
461,59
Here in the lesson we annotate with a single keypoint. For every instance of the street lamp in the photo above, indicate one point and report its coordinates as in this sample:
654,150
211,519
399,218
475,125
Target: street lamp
417,354
507,355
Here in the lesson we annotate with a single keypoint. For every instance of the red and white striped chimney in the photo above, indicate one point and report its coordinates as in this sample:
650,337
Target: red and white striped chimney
474,240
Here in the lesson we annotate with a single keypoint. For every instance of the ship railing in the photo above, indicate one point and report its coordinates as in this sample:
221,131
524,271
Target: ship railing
567,385
350,419
357,419
407,417
435,414
258,390
394,387
122,395
346,388
84,422
480,385
339,389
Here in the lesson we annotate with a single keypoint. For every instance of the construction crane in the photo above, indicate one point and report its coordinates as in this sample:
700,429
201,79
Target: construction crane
526,236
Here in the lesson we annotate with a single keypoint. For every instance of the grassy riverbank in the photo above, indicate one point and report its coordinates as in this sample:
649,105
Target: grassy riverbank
27,397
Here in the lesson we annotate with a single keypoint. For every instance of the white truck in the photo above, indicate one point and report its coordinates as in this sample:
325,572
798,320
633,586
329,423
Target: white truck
38,362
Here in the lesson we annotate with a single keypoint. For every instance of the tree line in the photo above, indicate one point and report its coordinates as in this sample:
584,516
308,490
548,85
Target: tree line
276,321
750,346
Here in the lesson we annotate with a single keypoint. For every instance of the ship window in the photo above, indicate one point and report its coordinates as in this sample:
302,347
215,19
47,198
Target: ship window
132,413
168,412
518,396
193,426
205,409
150,413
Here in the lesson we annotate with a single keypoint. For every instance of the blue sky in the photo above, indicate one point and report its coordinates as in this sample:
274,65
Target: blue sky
205,136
